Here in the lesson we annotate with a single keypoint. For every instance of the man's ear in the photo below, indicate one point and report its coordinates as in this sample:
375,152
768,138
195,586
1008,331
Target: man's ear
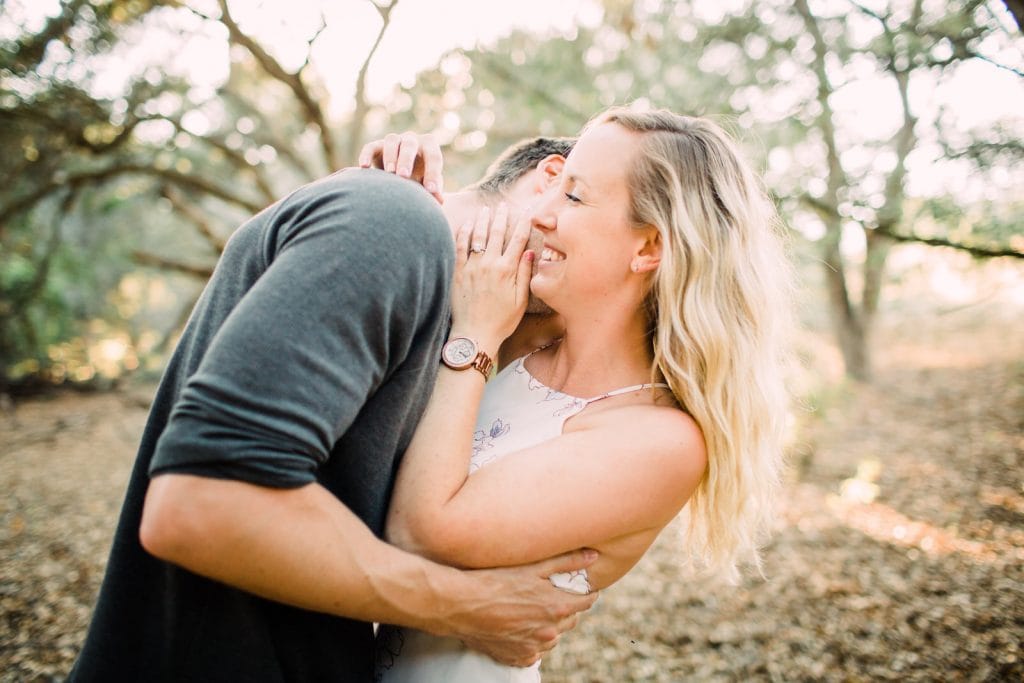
549,170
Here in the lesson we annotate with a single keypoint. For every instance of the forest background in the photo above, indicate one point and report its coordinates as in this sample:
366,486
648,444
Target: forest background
136,134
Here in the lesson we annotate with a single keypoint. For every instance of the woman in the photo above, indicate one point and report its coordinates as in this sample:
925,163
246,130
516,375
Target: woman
662,255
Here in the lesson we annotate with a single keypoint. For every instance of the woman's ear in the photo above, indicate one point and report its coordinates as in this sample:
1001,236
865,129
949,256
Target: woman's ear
648,256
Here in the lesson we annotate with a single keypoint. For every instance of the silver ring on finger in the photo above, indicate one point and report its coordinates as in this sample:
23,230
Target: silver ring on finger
477,250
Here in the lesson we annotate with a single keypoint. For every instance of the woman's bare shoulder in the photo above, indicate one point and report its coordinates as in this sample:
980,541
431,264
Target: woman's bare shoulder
655,431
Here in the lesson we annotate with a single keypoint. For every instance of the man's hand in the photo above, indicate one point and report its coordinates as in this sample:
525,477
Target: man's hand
244,535
417,157
519,615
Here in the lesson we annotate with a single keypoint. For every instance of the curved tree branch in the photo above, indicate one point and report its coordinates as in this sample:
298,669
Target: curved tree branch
238,160
84,178
575,117
264,134
981,252
355,131
186,209
144,258
826,211
310,107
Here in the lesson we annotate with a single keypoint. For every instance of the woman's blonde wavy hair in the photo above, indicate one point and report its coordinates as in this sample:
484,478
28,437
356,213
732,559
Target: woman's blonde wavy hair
720,312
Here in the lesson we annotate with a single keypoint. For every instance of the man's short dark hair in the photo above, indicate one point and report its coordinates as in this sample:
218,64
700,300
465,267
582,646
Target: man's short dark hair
518,160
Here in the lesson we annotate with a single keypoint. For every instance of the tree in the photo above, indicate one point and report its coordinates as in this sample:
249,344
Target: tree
90,157
155,170
774,71
909,43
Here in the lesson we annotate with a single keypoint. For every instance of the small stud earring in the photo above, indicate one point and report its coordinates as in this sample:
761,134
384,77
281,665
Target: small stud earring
636,267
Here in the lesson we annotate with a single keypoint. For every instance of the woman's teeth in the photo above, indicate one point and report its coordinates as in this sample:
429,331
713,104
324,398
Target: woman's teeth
549,254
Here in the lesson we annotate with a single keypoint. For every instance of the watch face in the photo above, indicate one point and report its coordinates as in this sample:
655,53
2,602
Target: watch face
459,352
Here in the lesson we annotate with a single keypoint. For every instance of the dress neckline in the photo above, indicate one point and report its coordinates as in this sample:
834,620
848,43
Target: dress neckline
581,399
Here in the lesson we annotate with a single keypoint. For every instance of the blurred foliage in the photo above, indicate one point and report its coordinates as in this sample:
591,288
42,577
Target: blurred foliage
108,174
114,185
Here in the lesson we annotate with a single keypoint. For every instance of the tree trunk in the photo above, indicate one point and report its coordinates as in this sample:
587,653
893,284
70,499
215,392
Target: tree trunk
846,321
874,269
853,343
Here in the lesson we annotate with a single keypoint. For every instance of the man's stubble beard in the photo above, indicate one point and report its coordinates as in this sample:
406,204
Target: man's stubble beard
535,306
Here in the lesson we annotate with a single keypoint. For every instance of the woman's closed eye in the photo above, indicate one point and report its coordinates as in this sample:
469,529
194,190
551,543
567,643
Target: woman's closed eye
572,198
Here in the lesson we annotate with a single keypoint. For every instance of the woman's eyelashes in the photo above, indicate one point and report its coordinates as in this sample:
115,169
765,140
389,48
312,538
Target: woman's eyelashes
572,198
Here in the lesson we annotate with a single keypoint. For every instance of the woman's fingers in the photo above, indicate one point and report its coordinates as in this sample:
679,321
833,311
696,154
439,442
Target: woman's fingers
496,238
520,236
491,283
462,239
478,243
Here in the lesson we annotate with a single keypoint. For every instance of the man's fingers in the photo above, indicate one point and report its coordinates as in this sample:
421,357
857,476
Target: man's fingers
433,166
370,154
390,151
566,562
511,654
417,157
569,623
408,149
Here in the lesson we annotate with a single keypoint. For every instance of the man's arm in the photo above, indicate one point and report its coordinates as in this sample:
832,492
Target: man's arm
345,295
303,547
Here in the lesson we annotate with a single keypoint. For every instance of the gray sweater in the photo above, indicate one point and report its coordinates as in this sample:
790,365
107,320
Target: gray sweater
309,357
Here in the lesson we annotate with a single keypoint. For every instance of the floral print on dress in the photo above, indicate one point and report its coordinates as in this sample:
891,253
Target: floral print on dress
387,648
574,406
571,405
483,440
576,581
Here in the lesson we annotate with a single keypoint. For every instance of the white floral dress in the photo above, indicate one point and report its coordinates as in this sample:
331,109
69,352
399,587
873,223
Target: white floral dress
517,411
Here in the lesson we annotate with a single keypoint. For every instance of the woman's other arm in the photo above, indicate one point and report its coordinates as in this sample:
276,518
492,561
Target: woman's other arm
611,482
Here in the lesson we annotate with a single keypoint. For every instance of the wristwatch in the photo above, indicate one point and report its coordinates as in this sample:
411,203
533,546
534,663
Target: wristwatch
461,353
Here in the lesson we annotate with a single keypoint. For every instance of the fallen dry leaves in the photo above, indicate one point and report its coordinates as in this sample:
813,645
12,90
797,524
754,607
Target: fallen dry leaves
899,553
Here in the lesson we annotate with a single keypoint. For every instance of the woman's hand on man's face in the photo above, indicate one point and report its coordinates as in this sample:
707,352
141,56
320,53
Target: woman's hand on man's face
409,155
492,278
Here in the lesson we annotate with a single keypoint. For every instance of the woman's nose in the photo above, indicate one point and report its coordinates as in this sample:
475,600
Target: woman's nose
543,217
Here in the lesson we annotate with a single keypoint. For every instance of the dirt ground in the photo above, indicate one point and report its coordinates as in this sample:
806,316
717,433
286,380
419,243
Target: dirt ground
899,553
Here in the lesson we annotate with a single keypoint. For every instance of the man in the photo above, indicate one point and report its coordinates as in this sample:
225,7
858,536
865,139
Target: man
249,547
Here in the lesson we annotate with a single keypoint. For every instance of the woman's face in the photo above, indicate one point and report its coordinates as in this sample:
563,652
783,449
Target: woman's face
589,240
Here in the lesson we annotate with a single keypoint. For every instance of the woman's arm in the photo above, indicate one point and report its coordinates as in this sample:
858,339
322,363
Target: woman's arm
627,470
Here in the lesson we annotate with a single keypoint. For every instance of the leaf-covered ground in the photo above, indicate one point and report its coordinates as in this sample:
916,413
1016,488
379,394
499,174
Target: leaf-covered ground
899,553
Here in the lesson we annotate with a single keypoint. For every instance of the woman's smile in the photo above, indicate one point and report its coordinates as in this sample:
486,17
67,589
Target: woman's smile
548,255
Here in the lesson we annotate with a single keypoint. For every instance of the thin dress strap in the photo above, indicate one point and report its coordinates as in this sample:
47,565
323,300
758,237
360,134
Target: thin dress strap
541,348
626,390
584,402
